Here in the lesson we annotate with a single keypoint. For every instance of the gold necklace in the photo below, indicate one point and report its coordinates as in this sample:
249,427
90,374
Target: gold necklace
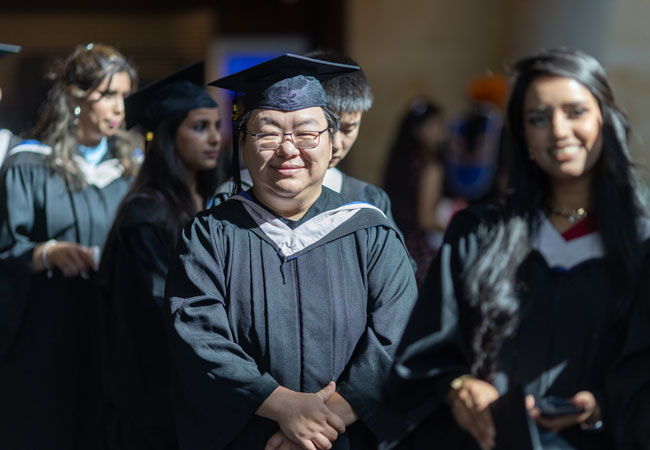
571,215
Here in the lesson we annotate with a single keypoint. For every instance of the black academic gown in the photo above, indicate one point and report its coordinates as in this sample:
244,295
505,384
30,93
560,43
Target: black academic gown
326,301
629,382
355,189
48,370
572,323
136,357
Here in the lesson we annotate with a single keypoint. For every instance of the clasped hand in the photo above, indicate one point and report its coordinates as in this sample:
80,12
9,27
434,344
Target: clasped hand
304,419
70,258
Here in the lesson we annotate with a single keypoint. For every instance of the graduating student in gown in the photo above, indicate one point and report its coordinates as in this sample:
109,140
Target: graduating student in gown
7,139
534,293
177,177
286,302
58,198
349,96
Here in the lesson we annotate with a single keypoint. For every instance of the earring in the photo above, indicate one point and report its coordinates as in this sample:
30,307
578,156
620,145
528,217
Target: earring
77,111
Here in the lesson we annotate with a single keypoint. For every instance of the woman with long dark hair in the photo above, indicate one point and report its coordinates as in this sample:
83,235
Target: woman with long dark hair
414,179
58,197
176,179
533,295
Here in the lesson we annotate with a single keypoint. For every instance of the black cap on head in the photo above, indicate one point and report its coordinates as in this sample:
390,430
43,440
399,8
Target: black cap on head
286,83
8,48
174,94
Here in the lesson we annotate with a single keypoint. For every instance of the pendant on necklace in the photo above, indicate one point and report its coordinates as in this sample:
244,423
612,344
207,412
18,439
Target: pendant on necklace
572,215
576,214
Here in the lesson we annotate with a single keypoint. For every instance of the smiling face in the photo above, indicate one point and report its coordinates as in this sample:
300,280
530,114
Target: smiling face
287,173
102,111
562,127
345,137
198,139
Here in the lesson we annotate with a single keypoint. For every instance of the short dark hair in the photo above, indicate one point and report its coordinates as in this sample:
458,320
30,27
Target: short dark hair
347,93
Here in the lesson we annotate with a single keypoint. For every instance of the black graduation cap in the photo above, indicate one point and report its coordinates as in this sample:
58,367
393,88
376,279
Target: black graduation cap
8,48
174,94
286,83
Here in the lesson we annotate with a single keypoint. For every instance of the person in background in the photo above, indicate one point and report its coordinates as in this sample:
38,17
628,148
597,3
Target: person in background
7,139
534,293
414,180
58,198
349,96
475,166
176,179
287,301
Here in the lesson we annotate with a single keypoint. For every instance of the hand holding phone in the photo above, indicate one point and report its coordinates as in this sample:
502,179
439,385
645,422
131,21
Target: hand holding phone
553,406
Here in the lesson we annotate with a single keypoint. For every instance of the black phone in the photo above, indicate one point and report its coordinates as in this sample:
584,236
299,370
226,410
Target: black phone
553,406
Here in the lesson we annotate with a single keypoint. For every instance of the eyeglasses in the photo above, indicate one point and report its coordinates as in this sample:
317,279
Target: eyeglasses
301,139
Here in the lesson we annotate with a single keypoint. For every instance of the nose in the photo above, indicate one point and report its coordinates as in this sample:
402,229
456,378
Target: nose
119,105
287,148
561,126
215,136
337,141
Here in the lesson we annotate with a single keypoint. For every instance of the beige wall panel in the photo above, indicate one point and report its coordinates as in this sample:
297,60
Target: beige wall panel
413,47
627,60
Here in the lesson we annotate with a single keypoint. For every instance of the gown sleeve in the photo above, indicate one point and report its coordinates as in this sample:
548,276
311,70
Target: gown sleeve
391,295
17,222
207,363
628,385
435,347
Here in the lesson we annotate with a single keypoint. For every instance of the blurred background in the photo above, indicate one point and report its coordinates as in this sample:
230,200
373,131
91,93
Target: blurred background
407,48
